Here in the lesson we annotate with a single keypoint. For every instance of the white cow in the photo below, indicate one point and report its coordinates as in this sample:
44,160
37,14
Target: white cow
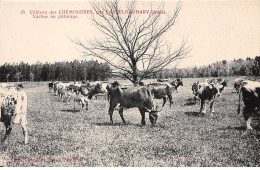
13,101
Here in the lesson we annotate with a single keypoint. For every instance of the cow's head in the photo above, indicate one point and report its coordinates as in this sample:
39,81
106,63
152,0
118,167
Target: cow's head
153,114
216,89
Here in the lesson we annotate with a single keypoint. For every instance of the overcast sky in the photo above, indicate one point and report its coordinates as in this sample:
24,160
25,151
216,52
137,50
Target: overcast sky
217,30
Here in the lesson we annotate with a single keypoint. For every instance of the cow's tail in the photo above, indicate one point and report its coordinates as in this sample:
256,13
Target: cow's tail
239,100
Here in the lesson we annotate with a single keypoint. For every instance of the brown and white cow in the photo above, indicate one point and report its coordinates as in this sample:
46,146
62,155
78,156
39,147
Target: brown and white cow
249,92
13,102
86,93
132,97
208,92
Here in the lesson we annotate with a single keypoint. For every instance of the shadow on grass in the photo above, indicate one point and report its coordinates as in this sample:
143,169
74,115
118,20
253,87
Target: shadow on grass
124,124
114,124
240,128
194,114
70,110
190,102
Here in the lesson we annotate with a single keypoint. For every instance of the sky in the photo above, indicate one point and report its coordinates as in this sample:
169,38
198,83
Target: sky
215,30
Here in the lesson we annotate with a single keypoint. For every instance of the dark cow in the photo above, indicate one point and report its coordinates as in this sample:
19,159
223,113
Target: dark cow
55,88
176,83
195,88
208,92
13,103
250,93
131,97
50,85
161,91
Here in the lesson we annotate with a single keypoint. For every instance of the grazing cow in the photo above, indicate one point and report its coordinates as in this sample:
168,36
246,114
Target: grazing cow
131,97
176,83
161,91
50,85
237,83
250,93
208,92
13,102
195,88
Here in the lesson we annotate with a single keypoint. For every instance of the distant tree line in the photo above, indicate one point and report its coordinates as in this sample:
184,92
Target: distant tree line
62,71
239,67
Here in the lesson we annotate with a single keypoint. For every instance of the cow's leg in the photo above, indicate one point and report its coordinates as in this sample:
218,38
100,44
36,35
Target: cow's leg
8,128
86,103
24,125
211,107
121,114
143,116
246,113
202,106
170,100
164,101
111,110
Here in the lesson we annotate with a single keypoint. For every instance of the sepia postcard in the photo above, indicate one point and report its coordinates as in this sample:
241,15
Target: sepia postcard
137,83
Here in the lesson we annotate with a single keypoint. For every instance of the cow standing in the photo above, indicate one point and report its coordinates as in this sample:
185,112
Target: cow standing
131,97
13,102
208,92
86,93
237,83
176,83
250,93
195,88
50,85
162,91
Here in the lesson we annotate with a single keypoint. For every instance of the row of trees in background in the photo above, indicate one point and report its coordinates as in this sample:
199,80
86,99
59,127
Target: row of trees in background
61,71
240,67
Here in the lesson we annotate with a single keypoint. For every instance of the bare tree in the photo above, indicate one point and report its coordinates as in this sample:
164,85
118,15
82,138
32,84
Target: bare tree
132,43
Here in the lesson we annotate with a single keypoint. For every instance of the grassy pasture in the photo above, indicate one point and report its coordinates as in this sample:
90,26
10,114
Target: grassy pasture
60,136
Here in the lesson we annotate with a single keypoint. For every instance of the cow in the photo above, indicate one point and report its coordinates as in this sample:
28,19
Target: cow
237,83
208,92
195,88
176,83
132,97
13,102
50,85
161,91
62,89
249,92
86,93
55,88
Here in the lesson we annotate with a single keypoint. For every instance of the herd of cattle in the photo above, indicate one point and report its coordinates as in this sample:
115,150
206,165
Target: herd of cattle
13,99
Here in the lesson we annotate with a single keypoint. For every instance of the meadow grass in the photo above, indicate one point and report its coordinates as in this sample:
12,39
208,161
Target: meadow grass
61,136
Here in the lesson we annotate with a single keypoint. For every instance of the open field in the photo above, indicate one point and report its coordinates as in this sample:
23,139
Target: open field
60,136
